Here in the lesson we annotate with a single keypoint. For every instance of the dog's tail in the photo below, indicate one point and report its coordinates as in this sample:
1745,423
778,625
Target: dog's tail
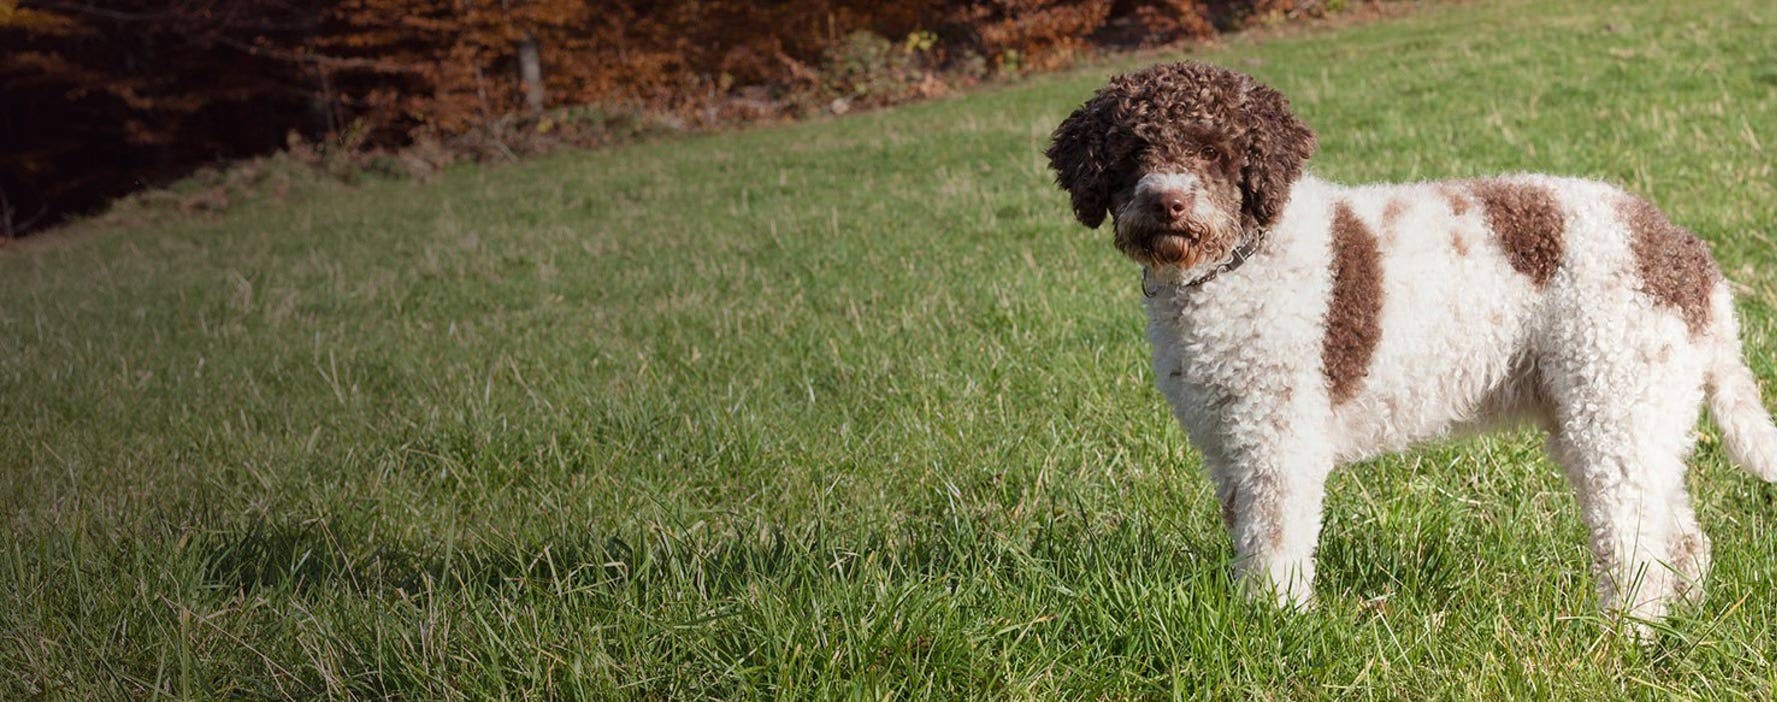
1746,428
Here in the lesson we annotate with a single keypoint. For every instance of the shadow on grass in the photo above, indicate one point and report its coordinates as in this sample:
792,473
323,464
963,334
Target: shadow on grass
1068,551
300,556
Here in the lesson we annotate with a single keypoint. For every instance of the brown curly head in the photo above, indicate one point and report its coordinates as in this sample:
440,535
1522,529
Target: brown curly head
1185,157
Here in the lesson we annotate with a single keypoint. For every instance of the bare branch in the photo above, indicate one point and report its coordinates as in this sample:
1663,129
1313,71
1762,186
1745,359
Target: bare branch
314,59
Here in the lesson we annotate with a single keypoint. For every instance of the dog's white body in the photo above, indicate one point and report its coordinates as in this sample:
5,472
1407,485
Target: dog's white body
1466,341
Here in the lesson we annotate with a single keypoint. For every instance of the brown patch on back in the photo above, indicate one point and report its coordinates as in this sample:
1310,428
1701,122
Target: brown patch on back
1391,213
1391,217
1529,225
1459,243
1458,200
1674,265
1354,314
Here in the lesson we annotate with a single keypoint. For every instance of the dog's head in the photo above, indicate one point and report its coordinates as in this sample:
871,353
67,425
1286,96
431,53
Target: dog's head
1185,157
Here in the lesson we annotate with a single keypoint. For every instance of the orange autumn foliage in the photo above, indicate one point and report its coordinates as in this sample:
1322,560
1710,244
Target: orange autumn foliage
104,97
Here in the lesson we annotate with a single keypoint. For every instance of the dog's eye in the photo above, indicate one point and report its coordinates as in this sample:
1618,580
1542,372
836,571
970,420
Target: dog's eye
1209,153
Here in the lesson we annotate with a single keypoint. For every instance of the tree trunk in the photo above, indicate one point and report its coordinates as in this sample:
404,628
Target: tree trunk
530,72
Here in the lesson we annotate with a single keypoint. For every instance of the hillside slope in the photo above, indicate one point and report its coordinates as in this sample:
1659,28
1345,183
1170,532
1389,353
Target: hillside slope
842,407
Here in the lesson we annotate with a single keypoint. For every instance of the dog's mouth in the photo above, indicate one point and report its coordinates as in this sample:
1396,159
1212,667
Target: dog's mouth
1171,246
1174,245
1185,245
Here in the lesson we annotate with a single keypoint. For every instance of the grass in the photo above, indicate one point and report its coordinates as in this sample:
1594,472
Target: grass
844,408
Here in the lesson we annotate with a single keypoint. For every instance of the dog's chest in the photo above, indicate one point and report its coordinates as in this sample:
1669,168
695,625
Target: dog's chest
1224,355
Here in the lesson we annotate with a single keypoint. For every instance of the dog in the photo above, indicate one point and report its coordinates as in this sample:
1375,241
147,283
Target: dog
1299,325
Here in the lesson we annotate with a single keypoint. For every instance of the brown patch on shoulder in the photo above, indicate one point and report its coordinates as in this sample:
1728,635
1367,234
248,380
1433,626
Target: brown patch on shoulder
1674,265
1529,225
1459,243
1354,312
1457,199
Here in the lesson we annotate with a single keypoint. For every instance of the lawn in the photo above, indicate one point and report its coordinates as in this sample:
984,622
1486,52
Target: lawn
842,408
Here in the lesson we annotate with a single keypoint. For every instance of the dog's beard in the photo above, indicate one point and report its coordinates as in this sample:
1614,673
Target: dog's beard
1185,247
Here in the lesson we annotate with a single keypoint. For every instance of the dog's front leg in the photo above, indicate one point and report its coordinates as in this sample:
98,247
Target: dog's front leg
1271,496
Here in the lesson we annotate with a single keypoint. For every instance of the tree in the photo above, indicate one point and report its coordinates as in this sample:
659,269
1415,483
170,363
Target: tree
103,98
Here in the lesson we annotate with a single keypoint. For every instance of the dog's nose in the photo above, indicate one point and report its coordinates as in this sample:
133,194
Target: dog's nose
1172,205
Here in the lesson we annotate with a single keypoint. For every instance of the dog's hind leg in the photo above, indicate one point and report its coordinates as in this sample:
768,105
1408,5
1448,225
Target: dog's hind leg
1647,549
1624,414
1689,549
1630,515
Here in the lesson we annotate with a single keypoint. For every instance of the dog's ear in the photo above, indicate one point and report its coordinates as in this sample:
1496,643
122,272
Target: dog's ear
1277,147
1080,154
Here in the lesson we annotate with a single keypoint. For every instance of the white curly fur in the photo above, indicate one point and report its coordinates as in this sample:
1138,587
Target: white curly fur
1466,343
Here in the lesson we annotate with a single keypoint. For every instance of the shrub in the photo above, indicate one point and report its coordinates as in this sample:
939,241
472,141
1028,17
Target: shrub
1168,21
1034,34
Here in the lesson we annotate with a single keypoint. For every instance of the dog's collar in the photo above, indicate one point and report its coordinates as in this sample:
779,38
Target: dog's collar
1241,254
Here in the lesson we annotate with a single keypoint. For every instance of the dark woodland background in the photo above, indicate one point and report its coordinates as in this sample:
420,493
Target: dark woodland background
105,97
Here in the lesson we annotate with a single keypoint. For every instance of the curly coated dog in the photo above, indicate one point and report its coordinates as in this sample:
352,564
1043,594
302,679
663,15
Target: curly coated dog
1299,325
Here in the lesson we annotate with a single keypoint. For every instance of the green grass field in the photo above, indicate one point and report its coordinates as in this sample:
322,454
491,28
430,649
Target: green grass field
844,408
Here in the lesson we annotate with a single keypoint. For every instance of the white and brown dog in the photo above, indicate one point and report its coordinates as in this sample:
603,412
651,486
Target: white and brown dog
1299,325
